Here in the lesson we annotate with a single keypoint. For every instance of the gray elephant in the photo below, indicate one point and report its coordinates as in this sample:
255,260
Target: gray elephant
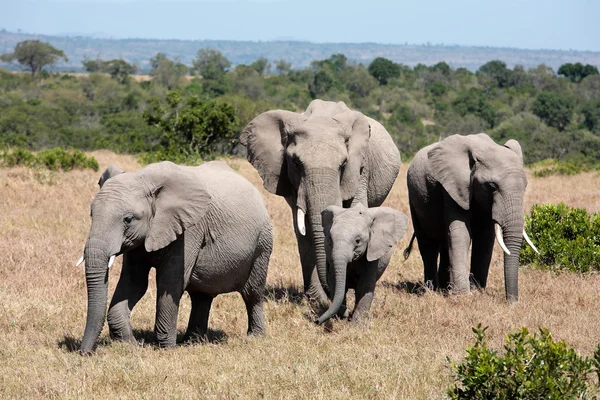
459,189
328,155
359,243
204,229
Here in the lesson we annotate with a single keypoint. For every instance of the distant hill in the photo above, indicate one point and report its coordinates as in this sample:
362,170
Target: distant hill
300,54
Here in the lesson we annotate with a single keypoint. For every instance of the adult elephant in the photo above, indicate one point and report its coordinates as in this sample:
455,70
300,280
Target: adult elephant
327,155
459,189
204,229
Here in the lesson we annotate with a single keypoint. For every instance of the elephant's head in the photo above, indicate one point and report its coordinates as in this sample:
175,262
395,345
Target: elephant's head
149,208
353,233
478,173
314,159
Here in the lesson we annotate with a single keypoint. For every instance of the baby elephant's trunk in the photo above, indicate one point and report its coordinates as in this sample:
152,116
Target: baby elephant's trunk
340,291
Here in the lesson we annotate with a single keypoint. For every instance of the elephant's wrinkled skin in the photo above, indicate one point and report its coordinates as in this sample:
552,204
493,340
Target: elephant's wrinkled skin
328,155
458,190
204,229
359,243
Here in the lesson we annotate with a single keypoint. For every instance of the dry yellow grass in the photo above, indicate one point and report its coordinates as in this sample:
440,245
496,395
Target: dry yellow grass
43,227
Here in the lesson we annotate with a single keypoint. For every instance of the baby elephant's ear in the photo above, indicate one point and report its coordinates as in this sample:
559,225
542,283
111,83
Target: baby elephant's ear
110,171
388,227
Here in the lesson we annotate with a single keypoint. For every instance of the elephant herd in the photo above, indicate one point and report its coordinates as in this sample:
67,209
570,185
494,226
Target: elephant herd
206,229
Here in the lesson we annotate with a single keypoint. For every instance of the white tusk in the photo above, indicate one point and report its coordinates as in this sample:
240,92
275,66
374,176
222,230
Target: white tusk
300,221
529,242
79,262
500,240
111,261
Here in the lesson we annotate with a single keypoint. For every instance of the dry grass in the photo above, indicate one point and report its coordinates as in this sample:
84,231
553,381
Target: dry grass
401,354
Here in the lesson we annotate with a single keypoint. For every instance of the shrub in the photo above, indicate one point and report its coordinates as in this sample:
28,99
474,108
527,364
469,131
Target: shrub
52,159
532,367
556,167
567,238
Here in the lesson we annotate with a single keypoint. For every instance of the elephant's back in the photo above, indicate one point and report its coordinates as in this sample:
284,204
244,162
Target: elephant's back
384,164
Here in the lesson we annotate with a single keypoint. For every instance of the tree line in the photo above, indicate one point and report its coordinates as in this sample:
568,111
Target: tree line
186,112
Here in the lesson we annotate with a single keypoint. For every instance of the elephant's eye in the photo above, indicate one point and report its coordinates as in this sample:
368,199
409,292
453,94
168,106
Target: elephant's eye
357,240
128,218
493,187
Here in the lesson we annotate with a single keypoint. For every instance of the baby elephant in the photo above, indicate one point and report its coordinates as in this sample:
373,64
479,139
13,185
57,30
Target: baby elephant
204,229
359,244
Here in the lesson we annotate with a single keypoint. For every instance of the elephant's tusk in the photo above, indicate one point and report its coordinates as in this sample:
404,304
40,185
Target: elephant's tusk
111,261
500,240
529,242
300,221
79,262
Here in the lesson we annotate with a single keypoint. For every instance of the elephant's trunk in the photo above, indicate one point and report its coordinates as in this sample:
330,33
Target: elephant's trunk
322,191
339,291
96,277
512,231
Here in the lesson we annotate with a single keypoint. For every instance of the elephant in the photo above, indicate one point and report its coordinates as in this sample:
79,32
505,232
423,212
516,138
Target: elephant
359,243
327,155
204,229
459,189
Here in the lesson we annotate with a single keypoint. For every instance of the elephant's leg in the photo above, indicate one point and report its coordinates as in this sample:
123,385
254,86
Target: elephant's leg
312,285
254,288
459,240
198,323
365,291
429,249
343,312
444,269
169,289
481,253
132,286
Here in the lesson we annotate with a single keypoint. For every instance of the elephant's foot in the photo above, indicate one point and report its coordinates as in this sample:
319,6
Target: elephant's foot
165,340
123,336
360,318
343,312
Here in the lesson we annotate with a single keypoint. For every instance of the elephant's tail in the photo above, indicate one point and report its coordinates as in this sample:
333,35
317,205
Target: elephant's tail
407,250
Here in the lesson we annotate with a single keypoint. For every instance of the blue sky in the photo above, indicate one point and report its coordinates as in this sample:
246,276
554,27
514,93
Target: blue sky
531,24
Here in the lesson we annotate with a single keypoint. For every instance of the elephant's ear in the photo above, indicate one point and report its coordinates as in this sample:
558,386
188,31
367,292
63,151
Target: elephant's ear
357,136
265,138
450,163
110,171
516,147
180,200
388,227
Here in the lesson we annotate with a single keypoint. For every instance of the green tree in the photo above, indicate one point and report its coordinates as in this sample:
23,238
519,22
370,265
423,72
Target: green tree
191,127
282,66
576,72
496,72
262,65
555,109
90,65
34,55
119,70
167,72
591,113
211,64
383,70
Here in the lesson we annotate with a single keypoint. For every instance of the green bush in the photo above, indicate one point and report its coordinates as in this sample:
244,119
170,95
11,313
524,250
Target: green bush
567,238
52,159
556,167
532,367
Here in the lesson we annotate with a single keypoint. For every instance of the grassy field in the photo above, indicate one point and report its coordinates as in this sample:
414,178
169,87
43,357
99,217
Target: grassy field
401,354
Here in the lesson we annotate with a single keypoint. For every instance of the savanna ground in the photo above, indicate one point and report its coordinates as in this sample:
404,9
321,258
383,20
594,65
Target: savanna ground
401,354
